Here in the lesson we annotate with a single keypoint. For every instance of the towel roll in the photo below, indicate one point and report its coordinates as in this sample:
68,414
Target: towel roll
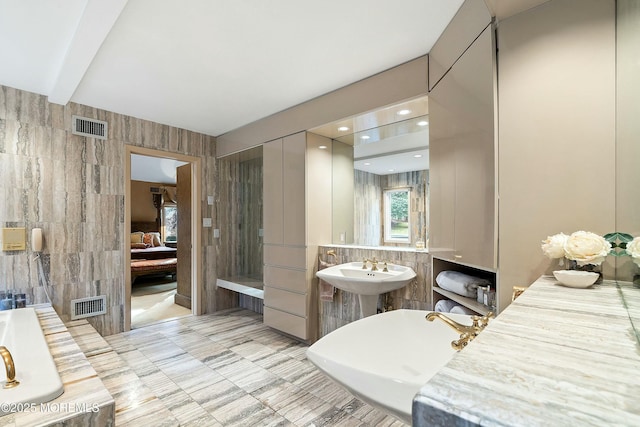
458,309
460,283
444,306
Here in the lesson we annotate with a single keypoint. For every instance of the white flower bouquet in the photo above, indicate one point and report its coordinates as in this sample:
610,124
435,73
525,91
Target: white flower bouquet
583,247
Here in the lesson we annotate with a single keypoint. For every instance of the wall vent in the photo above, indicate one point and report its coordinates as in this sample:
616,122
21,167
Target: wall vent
89,127
155,190
87,307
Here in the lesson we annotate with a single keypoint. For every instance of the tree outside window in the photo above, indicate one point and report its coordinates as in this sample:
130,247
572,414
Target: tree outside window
170,223
397,205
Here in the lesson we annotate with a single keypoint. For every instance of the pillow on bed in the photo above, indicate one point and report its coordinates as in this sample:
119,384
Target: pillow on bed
151,239
137,237
139,246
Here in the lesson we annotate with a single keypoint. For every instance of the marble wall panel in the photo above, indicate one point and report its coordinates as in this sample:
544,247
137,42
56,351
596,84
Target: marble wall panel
73,188
345,307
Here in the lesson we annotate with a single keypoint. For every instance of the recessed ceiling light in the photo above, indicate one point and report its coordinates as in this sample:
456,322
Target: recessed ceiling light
403,112
390,170
367,164
322,147
343,128
423,123
365,137
417,156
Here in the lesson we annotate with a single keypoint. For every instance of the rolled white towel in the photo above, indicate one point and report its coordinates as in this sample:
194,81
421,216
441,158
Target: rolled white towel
444,305
460,283
458,309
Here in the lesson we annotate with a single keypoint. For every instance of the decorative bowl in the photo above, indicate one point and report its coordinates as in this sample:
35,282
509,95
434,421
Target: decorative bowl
576,278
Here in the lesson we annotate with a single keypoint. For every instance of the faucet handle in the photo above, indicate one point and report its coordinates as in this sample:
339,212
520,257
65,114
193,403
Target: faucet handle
364,263
385,267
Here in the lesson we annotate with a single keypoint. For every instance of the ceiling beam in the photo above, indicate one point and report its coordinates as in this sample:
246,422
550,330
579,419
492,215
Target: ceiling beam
98,18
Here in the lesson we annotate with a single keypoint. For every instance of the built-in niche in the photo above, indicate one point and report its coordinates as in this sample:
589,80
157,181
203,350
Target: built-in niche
239,231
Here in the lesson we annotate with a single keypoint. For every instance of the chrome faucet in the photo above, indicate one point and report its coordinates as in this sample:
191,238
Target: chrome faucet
10,367
467,332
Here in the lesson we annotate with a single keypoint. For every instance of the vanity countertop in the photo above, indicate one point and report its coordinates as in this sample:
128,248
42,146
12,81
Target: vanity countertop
555,356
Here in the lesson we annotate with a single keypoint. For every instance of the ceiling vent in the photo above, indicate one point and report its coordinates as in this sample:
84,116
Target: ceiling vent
89,127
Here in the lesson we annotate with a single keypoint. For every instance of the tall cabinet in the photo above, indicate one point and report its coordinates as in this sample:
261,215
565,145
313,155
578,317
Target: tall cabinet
297,217
462,134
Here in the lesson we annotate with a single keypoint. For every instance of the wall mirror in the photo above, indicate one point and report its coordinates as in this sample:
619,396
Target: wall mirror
376,154
628,148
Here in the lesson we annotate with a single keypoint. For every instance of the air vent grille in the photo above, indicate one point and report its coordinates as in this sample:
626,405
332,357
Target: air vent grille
89,127
87,307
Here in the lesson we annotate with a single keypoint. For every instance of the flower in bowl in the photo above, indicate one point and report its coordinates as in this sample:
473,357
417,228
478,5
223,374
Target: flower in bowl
633,249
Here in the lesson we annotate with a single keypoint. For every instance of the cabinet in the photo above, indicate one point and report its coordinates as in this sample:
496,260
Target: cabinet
297,217
462,158
438,265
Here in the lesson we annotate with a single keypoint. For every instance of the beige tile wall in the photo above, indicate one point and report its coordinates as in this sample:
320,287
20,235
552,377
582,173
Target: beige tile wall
73,188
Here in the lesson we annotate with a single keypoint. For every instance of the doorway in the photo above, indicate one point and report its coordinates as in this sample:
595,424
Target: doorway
163,270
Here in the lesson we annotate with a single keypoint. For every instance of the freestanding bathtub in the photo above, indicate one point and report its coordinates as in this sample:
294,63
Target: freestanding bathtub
385,359
21,334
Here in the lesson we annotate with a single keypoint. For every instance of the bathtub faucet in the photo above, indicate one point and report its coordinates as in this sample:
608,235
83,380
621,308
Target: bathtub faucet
10,367
467,332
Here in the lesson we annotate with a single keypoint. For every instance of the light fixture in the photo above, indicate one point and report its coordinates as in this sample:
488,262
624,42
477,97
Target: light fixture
343,128
322,147
422,123
365,137
417,156
367,164
390,170
403,112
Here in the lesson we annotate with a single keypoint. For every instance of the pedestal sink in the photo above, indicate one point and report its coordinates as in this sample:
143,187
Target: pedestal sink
368,284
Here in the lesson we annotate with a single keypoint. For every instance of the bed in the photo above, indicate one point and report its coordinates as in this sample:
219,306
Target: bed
149,256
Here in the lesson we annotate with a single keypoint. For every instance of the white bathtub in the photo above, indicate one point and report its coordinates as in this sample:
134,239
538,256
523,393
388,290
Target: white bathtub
385,359
21,334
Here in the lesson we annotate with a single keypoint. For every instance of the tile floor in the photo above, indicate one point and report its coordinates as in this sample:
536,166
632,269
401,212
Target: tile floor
226,369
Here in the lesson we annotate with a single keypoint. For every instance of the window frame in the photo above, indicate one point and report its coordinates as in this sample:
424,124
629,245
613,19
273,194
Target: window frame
386,211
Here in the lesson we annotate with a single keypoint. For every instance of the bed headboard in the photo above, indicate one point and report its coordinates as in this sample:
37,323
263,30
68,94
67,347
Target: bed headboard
145,226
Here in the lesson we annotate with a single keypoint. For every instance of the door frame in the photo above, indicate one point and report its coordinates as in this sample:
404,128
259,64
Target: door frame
196,241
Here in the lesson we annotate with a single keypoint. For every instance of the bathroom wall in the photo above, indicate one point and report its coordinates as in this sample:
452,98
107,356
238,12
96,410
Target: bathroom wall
345,307
557,154
73,187
368,219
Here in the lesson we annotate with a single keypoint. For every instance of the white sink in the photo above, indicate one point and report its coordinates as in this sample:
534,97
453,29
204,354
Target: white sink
385,359
351,277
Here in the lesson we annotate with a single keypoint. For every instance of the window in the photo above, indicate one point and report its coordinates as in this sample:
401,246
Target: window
170,223
397,205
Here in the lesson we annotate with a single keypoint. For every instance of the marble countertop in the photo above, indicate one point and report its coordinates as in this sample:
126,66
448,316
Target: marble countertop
556,356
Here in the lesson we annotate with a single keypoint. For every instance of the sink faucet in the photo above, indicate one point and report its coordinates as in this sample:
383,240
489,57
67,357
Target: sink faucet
10,367
374,264
467,332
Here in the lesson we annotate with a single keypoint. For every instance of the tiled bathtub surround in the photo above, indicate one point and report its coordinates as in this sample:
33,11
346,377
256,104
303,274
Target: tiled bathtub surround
556,356
345,307
73,188
83,390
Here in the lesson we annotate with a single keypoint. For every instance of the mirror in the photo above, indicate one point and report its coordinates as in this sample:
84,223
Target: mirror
375,154
628,148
